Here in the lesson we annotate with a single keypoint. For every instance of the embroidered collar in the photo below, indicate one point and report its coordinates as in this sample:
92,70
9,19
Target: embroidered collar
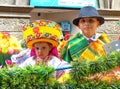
42,61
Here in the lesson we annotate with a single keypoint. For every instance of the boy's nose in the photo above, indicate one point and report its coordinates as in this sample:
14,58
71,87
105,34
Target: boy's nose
87,22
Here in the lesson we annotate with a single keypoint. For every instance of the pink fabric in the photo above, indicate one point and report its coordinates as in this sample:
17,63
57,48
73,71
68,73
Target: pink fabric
32,53
59,73
54,52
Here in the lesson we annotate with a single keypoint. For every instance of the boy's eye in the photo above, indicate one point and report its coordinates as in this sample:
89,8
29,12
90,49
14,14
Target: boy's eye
91,21
88,20
82,21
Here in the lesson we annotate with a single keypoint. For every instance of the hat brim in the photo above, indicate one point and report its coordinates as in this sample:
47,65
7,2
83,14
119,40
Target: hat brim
31,43
76,20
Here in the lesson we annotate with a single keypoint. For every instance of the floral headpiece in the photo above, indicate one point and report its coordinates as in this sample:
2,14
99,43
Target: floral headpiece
42,31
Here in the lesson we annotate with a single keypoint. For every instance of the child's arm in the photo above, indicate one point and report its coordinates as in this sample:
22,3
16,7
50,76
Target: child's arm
27,62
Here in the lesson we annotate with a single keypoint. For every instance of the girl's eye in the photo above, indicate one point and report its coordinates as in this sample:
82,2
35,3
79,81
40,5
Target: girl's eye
37,48
43,48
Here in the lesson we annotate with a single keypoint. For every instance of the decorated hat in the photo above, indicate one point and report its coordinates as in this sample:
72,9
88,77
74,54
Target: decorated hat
88,11
42,31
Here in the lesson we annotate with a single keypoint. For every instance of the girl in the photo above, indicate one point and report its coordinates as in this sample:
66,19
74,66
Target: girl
44,36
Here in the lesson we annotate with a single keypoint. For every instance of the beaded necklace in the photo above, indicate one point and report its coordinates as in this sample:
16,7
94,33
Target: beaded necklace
39,61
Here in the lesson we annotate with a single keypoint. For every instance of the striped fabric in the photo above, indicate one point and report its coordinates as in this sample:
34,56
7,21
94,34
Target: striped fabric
73,48
95,49
78,48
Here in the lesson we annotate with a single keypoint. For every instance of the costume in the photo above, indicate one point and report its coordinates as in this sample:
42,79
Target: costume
80,47
77,47
44,31
21,57
48,61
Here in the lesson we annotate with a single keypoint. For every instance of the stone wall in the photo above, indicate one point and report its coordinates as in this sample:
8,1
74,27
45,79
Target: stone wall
13,25
111,28
14,2
15,13
13,18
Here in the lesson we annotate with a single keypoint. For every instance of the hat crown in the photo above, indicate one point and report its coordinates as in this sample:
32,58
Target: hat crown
88,11
42,31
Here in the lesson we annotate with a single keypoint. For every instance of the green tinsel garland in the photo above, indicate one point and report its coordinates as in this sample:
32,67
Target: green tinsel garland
83,69
28,78
40,77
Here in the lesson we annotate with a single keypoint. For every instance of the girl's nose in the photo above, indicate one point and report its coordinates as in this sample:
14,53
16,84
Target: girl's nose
39,51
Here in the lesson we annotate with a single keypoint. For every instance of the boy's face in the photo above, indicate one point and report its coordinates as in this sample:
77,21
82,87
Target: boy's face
88,26
42,49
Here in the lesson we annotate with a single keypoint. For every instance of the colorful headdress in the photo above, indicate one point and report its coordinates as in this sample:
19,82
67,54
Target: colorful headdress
42,31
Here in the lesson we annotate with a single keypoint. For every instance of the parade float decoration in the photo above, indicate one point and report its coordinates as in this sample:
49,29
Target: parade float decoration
97,74
9,45
102,73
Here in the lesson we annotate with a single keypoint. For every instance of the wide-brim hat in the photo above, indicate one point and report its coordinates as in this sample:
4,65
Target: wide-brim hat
88,11
42,31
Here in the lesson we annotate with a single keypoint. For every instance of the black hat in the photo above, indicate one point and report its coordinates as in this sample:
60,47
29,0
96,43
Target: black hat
88,11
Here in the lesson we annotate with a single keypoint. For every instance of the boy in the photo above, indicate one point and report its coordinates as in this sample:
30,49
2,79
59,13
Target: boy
89,44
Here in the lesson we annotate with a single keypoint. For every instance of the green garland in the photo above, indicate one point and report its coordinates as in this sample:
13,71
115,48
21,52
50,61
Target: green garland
41,77
29,78
83,69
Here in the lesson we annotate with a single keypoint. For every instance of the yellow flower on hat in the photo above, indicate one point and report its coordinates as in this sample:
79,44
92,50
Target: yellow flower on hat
42,31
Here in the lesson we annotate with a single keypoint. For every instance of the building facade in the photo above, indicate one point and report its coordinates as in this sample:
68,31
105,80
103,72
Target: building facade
15,13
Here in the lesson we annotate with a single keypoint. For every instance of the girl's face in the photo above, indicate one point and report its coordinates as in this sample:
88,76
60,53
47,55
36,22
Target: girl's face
88,26
42,49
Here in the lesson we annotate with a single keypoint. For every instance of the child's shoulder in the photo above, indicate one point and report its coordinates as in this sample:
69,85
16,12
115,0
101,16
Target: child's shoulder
54,58
28,61
74,36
